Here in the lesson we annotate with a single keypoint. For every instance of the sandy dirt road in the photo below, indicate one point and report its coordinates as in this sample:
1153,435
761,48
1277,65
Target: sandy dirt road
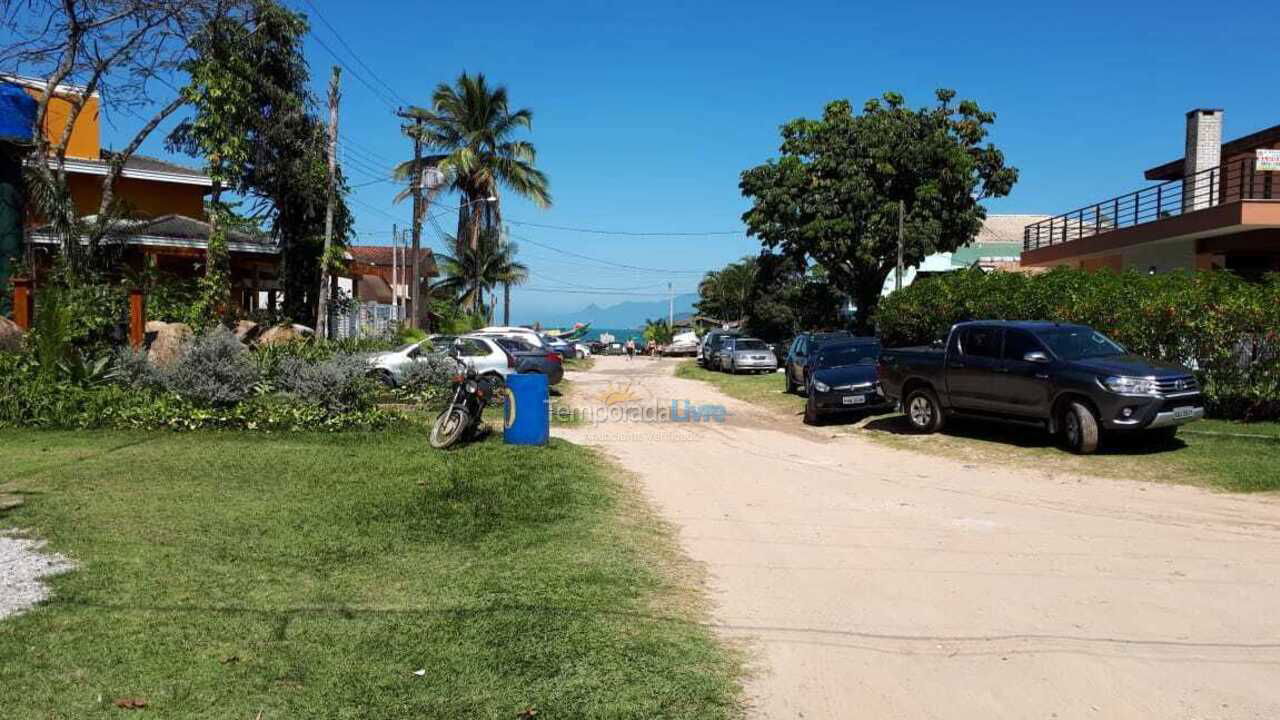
869,582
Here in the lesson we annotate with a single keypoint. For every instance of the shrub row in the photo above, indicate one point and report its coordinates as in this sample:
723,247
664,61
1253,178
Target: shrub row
215,383
1224,328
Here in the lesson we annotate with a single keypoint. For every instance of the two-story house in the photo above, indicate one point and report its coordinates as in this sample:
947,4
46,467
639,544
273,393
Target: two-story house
164,217
1217,207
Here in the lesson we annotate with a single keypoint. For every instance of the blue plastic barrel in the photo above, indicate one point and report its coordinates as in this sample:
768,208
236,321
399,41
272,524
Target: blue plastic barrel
527,414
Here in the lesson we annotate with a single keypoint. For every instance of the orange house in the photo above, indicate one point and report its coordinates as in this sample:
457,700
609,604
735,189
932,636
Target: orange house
163,204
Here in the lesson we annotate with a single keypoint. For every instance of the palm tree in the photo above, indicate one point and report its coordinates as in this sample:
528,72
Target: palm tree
726,293
471,128
469,274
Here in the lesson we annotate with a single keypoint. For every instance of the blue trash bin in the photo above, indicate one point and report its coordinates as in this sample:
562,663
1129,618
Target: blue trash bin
527,413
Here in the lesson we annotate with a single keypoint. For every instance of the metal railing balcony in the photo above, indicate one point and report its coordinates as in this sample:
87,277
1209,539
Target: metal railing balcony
1227,183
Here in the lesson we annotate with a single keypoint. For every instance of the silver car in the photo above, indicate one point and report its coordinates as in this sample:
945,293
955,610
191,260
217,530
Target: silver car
483,354
739,354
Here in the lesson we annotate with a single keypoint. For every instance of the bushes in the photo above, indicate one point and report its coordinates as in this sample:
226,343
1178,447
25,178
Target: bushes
339,384
214,369
1219,325
214,383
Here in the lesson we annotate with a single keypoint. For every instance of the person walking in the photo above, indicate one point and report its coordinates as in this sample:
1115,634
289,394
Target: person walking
631,348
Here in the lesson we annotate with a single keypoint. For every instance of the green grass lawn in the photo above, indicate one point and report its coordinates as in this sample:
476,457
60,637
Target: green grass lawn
1211,452
227,575
768,389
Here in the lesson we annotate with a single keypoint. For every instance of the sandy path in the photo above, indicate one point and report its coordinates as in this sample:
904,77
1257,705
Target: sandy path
873,582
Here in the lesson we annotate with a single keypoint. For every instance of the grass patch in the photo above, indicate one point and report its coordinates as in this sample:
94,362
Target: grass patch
579,364
1242,457
225,575
767,390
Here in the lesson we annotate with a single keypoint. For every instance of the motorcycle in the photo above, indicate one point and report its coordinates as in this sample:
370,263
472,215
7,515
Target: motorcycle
461,419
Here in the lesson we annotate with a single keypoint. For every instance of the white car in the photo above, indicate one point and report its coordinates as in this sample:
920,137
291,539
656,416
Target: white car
480,353
532,337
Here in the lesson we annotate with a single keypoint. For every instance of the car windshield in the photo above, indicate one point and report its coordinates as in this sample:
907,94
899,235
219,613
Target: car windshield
1079,343
848,355
750,345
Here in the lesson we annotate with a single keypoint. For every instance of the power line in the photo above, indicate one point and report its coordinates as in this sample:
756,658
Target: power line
593,292
336,58
624,266
356,55
626,233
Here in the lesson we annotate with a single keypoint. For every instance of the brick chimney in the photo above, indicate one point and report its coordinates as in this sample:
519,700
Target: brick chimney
1204,151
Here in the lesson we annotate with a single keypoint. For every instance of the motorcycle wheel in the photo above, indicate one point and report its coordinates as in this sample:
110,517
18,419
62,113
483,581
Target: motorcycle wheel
449,427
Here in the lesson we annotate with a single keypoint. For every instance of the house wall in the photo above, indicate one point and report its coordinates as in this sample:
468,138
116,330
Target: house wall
142,198
85,141
1163,256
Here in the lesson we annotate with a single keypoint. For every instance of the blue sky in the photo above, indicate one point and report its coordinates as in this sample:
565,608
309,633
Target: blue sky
645,113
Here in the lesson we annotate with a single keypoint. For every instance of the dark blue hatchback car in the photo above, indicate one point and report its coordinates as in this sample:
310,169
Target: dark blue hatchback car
843,378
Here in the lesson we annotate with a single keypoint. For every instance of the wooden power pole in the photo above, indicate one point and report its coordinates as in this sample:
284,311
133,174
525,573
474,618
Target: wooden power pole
415,288
897,284
322,313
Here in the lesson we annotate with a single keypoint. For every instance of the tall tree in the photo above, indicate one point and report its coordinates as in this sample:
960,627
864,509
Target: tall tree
470,274
284,173
833,197
725,293
472,131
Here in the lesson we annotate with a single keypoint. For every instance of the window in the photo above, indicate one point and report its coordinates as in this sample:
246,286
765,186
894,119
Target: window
470,347
1018,343
981,342
750,345
1078,343
846,355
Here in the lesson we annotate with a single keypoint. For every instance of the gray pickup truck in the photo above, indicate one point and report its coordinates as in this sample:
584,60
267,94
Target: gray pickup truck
1068,379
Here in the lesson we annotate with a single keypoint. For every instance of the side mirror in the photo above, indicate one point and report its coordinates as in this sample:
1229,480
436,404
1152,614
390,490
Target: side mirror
937,343
1036,356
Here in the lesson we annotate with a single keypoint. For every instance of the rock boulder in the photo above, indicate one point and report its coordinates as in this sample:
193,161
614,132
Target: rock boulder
281,334
10,335
167,341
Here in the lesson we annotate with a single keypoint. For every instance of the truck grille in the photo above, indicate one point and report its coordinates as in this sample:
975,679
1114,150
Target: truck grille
1173,386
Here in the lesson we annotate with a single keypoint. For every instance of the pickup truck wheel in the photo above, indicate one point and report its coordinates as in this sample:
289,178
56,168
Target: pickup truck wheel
923,411
1080,429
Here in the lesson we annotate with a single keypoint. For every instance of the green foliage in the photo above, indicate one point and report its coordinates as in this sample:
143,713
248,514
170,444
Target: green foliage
214,369
339,384
834,195
658,331
725,294
30,399
1214,322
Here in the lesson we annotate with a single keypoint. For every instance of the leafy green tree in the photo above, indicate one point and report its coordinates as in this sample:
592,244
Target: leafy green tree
834,194
471,130
725,294
281,167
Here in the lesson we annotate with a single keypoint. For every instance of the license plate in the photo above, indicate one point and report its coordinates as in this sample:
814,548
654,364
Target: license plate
854,400
1183,412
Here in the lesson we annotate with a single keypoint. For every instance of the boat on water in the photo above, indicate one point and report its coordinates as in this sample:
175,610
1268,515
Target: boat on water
577,332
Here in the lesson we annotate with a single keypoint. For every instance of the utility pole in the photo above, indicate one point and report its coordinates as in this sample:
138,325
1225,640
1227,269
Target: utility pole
897,284
415,288
671,308
395,278
322,313
506,286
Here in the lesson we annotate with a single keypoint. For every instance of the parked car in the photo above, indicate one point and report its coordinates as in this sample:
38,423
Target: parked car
744,354
530,359
711,342
1068,379
529,335
564,348
843,378
804,348
581,350
480,353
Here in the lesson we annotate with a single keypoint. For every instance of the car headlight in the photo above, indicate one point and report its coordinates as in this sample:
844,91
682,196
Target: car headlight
1130,385
820,386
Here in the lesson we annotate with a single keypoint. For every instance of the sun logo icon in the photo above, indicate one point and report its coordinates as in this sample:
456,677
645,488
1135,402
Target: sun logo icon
617,394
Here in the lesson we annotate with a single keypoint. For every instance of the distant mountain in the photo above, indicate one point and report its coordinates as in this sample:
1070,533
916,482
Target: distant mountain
629,314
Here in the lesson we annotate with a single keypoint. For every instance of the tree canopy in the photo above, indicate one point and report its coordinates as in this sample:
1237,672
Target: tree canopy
833,196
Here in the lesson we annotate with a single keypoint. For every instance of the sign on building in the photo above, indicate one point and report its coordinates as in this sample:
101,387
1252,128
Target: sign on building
1268,160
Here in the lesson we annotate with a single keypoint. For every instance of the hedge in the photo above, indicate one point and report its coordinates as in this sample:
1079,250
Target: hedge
1219,325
